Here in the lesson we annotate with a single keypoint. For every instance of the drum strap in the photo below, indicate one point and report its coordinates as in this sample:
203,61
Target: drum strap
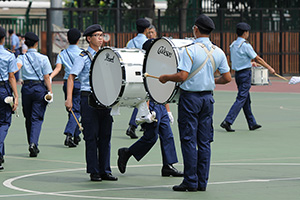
209,56
90,55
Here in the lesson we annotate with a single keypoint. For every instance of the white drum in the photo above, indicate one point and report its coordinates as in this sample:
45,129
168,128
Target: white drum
163,58
260,76
116,77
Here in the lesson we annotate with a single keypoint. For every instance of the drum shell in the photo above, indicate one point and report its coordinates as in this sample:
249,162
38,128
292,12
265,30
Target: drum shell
116,77
260,76
163,57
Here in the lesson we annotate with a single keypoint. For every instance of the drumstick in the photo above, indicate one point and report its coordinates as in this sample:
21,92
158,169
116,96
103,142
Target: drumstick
80,127
281,77
148,75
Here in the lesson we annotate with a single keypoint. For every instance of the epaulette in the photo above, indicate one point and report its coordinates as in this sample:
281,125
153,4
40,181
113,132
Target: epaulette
83,53
9,50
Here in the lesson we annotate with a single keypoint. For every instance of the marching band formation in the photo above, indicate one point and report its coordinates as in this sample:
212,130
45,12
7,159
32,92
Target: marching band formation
148,74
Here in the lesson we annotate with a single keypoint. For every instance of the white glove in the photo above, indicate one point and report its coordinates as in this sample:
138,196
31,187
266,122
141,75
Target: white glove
148,118
171,117
49,97
294,80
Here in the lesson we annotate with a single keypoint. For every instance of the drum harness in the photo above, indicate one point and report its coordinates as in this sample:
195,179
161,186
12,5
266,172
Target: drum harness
209,56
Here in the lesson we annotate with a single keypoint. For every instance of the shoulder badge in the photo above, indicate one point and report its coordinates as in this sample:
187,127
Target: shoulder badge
9,50
83,53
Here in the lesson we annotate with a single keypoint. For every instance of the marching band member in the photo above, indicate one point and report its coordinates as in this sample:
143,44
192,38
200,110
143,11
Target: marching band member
241,53
36,69
7,86
66,58
152,130
97,122
142,26
195,108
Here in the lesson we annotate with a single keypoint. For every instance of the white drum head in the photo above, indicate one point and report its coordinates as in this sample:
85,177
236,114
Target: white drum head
106,77
162,58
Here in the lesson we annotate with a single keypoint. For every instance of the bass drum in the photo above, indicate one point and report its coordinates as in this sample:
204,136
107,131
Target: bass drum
163,58
116,77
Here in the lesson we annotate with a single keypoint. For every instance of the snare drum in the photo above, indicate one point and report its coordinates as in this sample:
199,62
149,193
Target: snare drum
260,76
163,58
116,77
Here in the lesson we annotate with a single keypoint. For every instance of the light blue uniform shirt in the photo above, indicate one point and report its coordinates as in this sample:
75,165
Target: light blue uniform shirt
137,41
241,54
82,69
8,63
14,41
204,79
67,58
40,63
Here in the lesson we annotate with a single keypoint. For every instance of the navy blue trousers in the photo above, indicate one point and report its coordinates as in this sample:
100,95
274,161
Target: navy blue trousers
34,107
160,128
97,124
243,82
72,127
195,111
132,118
5,115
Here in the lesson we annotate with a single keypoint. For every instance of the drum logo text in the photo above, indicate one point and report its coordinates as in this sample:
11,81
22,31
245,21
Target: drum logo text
163,50
109,59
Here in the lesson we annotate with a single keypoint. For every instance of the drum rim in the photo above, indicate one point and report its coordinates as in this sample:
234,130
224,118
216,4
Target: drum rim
123,78
173,94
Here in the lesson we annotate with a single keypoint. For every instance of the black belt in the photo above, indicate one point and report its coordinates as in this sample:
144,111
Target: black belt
85,93
244,69
32,81
198,92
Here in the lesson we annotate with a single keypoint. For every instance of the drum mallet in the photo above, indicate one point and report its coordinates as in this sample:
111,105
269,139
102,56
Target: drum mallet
280,77
148,75
80,127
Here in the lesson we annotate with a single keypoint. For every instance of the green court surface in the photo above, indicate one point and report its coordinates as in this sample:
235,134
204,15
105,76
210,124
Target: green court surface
246,165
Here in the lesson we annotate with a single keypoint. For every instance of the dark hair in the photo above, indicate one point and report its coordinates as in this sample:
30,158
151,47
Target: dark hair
202,31
73,41
87,39
2,37
29,43
239,32
140,29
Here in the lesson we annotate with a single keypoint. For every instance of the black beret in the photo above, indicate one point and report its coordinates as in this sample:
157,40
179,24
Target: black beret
2,32
204,22
10,31
143,23
147,44
31,36
243,26
73,34
92,29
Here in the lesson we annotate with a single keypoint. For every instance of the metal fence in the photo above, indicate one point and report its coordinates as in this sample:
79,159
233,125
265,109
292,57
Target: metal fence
274,35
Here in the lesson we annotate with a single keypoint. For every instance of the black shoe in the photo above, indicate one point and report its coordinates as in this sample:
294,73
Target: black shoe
1,159
109,177
256,126
33,150
124,156
226,125
201,189
169,170
77,139
1,167
131,132
182,188
95,177
68,141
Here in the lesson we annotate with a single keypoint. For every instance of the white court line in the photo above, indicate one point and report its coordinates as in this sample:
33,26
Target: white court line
8,182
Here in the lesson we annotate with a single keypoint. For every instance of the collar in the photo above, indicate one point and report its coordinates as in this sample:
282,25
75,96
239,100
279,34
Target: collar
202,40
141,35
32,50
92,51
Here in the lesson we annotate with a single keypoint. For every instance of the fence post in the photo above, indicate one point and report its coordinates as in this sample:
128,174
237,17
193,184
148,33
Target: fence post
261,34
280,41
180,33
49,35
158,23
118,16
221,27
